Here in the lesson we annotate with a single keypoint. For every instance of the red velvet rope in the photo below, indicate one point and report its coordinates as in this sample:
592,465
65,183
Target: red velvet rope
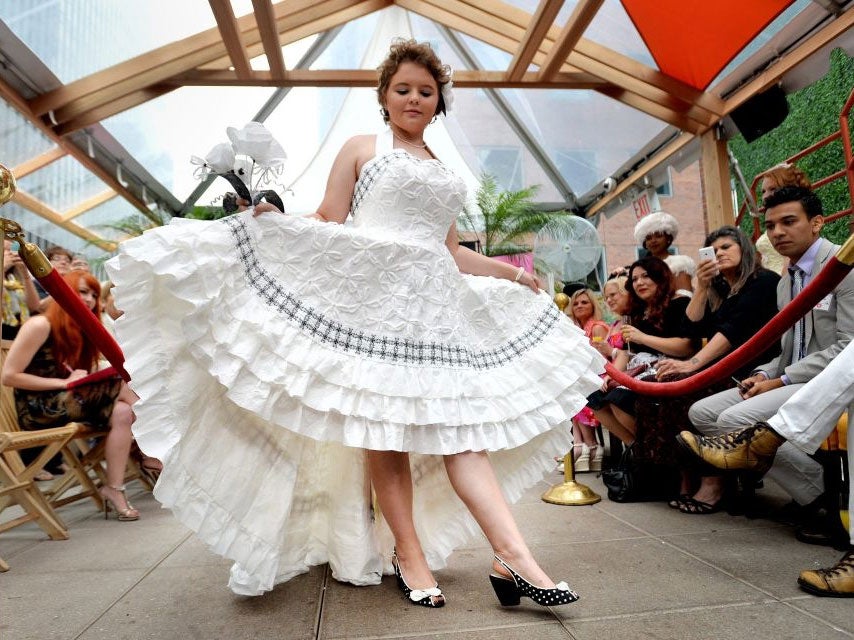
97,376
91,326
832,274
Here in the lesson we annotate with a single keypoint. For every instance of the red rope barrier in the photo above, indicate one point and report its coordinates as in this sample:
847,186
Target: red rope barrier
89,324
823,284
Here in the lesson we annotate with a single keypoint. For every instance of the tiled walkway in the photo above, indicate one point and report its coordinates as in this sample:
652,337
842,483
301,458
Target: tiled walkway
643,571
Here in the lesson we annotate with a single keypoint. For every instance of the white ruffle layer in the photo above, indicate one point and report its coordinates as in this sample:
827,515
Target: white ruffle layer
261,426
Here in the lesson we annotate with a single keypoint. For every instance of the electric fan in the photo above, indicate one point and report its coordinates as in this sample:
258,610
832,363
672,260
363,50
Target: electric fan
568,247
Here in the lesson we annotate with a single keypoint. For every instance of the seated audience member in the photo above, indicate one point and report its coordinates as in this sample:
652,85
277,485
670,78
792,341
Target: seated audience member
80,263
60,259
656,328
20,297
794,219
784,174
617,401
585,312
49,352
769,258
733,299
109,312
681,266
805,420
781,175
655,233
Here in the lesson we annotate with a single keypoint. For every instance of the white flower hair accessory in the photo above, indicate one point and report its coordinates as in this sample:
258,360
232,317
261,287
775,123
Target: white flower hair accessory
448,92
253,159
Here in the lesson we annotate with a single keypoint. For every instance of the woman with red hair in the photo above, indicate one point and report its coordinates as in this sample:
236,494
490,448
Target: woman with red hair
50,352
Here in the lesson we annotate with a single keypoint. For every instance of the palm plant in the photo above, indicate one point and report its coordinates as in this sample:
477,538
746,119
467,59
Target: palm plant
508,219
135,224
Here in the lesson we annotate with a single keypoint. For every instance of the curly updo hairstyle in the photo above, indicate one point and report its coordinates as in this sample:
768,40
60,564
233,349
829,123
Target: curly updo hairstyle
420,53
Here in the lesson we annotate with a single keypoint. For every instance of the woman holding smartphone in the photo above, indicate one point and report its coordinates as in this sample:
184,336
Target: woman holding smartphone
733,299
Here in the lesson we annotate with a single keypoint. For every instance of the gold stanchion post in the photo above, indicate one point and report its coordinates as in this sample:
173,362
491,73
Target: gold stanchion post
569,492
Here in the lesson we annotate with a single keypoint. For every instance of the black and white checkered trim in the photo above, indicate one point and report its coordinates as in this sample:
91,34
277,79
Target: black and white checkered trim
369,177
356,341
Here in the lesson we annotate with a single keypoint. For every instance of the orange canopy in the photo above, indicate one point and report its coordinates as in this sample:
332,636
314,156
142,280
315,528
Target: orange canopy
692,40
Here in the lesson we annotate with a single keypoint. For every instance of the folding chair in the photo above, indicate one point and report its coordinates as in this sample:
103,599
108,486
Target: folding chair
17,484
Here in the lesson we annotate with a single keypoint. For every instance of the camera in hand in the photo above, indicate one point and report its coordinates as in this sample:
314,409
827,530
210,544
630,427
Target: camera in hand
229,202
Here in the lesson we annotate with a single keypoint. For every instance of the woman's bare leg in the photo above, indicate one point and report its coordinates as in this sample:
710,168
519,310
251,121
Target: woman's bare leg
474,481
392,481
116,451
606,415
628,421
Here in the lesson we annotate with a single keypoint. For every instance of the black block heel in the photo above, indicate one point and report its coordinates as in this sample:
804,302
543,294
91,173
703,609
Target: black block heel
510,590
506,590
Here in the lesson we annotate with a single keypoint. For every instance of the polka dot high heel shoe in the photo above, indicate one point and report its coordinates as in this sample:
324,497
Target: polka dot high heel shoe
510,590
425,597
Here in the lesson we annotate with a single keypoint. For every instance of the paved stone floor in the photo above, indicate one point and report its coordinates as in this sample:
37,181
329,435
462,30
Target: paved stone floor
643,571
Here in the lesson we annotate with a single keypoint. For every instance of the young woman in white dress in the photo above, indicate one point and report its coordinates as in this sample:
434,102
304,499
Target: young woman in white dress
348,353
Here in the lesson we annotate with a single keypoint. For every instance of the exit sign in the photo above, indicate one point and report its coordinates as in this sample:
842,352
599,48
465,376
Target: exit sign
645,203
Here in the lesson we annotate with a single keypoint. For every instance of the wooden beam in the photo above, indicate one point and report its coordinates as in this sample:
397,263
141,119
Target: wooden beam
475,23
502,26
42,210
105,111
230,32
574,28
88,204
266,19
289,33
37,162
652,108
666,107
537,29
368,78
714,171
788,61
19,104
228,78
657,159
653,77
507,19
160,64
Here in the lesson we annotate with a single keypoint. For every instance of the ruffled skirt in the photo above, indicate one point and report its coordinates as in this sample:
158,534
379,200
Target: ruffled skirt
269,352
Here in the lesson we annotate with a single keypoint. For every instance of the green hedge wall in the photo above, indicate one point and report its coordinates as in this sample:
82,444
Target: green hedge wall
813,115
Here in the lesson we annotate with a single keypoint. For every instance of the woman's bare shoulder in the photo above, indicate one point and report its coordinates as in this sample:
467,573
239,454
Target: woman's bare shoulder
37,324
360,144
360,149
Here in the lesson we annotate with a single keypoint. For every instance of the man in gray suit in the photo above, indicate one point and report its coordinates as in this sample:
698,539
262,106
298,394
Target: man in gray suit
793,218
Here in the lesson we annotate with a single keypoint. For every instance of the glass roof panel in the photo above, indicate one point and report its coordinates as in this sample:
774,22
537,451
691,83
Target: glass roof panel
103,219
163,133
489,145
425,30
611,27
347,50
77,37
291,53
47,233
488,58
19,140
62,184
570,125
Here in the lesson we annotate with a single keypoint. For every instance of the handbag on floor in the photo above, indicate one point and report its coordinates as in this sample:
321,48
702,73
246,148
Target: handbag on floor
635,480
